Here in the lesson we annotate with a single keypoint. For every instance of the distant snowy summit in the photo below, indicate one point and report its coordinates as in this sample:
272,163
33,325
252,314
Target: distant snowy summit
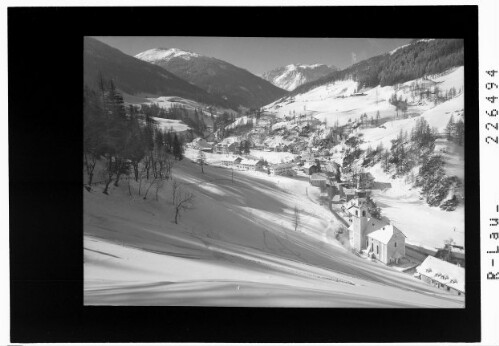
159,54
292,76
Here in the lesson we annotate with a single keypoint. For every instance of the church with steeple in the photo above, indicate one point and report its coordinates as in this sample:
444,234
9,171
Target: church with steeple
378,238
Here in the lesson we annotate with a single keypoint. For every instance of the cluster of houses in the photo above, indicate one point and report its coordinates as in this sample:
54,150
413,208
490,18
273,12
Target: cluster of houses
242,163
232,146
245,164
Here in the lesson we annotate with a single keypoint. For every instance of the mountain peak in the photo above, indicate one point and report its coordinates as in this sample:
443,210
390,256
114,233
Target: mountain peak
157,54
293,75
305,66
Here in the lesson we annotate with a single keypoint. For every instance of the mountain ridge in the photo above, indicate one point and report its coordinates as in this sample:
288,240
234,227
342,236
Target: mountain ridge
237,86
407,62
134,76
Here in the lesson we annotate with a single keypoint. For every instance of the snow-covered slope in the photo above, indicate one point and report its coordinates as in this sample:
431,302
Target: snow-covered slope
437,117
422,224
292,76
167,102
237,247
171,124
337,101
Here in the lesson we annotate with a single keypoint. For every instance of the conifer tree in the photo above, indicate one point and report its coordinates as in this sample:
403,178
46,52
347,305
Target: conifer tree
459,132
178,151
449,129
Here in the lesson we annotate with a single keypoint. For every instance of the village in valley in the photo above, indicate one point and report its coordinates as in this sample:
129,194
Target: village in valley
347,191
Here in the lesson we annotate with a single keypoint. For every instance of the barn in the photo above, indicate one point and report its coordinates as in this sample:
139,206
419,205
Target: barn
442,274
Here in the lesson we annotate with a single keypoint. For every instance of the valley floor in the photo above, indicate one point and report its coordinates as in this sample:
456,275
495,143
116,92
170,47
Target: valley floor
236,247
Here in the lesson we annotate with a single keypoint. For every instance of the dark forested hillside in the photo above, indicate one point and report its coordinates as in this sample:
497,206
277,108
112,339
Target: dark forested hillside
413,61
134,76
236,85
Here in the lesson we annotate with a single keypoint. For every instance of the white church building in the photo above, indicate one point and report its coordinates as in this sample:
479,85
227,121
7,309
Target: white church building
378,238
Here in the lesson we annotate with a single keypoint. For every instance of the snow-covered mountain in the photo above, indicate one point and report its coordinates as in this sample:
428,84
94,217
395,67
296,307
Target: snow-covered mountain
292,76
405,63
157,54
234,84
136,77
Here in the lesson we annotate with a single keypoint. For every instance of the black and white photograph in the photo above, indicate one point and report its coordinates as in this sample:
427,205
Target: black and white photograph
268,172
274,172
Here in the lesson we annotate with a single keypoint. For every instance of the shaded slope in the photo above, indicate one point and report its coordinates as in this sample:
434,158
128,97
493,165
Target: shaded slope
234,84
134,76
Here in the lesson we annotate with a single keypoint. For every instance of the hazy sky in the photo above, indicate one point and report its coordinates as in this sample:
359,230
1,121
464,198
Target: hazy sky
261,54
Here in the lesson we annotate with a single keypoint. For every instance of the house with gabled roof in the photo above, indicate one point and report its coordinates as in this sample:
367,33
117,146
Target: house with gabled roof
442,274
202,144
249,165
386,244
309,168
318,179
231,160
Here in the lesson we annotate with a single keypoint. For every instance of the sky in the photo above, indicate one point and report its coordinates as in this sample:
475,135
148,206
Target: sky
262,54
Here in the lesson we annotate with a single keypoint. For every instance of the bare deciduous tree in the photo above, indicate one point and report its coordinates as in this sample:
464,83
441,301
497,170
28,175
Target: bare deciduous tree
182,200
90,162
161,168
108,173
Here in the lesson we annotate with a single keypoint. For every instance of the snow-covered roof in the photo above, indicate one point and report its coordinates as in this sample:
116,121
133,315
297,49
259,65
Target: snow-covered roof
443,272
366,176
318,176
349,191
249,162
229,140
384,234
231,158
332,165
282,165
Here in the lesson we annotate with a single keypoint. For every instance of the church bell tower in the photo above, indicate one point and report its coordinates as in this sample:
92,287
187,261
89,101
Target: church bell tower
359,225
